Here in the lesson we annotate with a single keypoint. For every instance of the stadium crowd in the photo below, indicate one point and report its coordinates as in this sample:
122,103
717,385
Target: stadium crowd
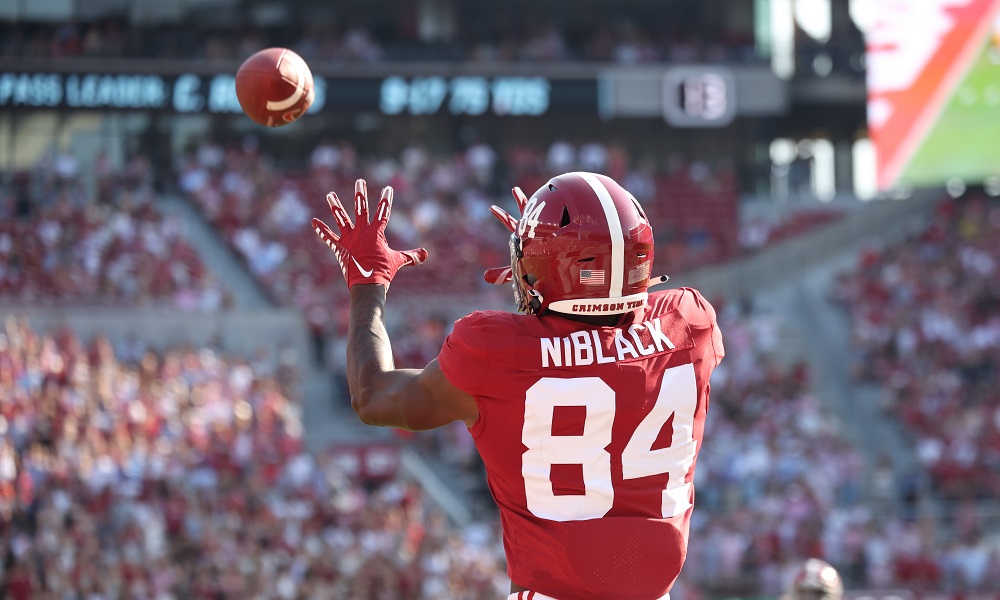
778,481
126,472
925,319
774,467
263,210
101,242
621,40
182,474
130,453
442,203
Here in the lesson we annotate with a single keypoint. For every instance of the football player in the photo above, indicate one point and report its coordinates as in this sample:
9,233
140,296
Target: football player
815,579
588,408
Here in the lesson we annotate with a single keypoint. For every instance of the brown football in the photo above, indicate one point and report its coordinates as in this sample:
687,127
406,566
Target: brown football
274,87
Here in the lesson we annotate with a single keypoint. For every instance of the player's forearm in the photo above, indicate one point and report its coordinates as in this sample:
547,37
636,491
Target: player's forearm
369,353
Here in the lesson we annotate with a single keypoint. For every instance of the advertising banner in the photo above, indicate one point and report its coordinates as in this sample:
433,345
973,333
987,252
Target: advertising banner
512,96
934,91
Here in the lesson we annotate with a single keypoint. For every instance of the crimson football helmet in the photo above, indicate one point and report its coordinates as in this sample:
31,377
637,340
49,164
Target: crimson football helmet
816,579
583,245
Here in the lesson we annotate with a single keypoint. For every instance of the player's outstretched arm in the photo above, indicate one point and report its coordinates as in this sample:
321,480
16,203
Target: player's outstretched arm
414,399
380,393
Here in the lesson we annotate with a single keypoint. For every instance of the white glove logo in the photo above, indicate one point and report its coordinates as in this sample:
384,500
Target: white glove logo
367,273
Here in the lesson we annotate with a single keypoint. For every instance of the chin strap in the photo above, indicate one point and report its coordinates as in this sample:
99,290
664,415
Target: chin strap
501,275
658,280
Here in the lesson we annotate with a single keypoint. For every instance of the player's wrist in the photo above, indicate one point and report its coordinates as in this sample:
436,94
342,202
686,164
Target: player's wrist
374,275
367,303
367,291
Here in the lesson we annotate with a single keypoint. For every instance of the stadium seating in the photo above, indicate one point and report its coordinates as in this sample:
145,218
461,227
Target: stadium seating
624,41
926,321
263,212
146,469
925,317
777,482
66,243
182,473
205,452
774,471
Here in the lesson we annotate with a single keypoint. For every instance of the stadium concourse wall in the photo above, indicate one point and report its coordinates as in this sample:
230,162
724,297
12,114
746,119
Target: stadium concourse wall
236,332
872,222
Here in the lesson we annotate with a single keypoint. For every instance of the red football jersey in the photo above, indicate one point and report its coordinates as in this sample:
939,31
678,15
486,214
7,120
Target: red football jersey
589,436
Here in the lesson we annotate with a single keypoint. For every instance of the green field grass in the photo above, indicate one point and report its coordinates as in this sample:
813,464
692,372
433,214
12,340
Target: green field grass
964,142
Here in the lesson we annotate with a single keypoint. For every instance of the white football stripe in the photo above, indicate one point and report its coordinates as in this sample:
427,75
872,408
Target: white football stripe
300,82
615,229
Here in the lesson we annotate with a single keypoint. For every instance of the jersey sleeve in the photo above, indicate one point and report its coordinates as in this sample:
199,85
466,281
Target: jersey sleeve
464,358
700,314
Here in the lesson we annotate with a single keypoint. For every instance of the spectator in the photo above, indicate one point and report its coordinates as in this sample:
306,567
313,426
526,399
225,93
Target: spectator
625,42
65,246
926,320
184,475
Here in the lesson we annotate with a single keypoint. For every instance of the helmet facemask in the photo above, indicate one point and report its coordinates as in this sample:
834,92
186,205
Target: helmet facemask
527,299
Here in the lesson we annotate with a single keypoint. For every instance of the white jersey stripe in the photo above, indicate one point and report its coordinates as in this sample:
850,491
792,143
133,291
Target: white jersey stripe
615,229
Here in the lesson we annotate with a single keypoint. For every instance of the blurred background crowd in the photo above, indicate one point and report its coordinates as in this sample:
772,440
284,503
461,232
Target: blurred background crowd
926,324
174,417
625,40
62,243
126,472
